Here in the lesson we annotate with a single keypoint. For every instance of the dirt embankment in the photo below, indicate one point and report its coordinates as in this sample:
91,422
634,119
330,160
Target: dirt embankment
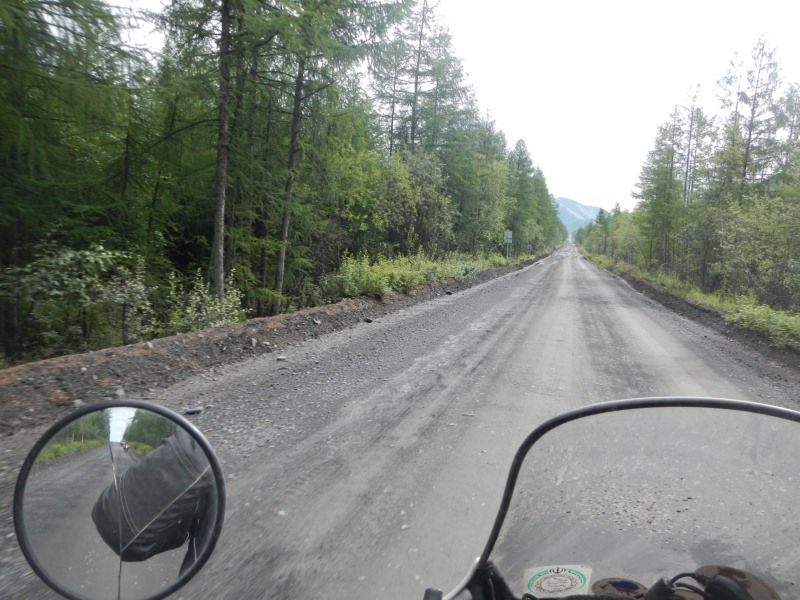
41,392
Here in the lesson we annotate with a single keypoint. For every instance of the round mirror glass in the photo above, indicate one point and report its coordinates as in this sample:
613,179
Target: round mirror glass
123,501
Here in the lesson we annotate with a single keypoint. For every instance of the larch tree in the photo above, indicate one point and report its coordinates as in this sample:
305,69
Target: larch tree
60,66
661,191
322,39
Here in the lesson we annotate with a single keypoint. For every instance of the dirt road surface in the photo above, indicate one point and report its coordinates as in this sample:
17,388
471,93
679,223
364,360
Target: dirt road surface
368,463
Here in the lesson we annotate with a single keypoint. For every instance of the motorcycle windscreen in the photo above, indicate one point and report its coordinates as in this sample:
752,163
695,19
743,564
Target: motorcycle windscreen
650,493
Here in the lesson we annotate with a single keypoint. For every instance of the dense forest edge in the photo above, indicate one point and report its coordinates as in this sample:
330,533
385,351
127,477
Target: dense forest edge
270,157
37,392
718,213
259,161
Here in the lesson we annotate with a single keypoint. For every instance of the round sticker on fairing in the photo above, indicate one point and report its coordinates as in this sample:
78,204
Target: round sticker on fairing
557,581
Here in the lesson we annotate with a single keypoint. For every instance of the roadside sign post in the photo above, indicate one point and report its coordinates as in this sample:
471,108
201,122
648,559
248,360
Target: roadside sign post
507,241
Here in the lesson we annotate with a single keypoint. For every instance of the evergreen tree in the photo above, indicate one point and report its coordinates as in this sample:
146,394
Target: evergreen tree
61,65
660,193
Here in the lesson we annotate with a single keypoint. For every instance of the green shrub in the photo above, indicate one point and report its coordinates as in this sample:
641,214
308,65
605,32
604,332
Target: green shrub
76,300
602,261
780,327
140,448
358,276
194,306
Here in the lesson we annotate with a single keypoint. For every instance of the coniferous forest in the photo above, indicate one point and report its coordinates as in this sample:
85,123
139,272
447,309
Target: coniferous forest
719,194
236,169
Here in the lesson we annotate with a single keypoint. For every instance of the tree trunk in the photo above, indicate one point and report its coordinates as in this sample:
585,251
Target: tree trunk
287,191
155,196
221,175
261,229
392,114
418,76
9,306
236,162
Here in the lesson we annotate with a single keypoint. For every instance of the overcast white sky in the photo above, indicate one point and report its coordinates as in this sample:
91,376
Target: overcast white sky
586,83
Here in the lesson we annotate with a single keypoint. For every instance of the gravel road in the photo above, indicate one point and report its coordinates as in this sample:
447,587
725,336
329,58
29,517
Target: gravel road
367,463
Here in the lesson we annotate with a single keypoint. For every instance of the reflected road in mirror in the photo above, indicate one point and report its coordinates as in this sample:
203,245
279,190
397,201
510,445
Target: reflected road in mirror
60,494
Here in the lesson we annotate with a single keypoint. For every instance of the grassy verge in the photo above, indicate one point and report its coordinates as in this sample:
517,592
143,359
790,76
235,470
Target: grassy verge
140,448
780,328
56,450
358,276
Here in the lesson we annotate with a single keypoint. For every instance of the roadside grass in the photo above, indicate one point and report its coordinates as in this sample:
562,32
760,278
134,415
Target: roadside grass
57,450
693,293
780,328
140,448
193,306
383,277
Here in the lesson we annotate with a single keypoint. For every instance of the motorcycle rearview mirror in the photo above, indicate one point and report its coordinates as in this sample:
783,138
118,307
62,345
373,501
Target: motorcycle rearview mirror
120,500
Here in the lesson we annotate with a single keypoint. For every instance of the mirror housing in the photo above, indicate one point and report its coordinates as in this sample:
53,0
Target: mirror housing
121,499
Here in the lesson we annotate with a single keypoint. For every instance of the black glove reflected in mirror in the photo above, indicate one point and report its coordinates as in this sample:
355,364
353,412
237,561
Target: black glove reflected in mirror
158,503
121,501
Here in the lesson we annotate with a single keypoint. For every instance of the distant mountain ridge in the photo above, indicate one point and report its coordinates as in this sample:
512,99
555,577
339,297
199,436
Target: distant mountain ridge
575,215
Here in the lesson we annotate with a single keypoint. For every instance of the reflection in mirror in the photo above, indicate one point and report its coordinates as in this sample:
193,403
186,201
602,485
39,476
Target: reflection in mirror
119,503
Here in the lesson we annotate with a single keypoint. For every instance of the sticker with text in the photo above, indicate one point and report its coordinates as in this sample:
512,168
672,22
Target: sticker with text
559,580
